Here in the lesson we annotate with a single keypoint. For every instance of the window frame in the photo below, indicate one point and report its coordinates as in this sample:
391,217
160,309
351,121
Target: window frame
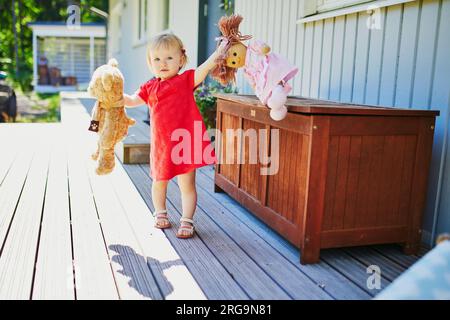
154,20
116,28
309,11
160,16
329,5
141,24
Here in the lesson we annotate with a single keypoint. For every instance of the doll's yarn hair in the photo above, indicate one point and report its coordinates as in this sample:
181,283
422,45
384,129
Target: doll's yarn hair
229,27
166,41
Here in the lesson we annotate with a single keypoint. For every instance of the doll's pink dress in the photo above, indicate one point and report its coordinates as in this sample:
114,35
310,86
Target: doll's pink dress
265,72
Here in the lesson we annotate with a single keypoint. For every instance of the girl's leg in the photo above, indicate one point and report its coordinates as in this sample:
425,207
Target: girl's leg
159,191
186,183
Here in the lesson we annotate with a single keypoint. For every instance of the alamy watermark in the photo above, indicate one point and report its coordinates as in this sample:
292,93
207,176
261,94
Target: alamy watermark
73,21
374,280
189,149
373,22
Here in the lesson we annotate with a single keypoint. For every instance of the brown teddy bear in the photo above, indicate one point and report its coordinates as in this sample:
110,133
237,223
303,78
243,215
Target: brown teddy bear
109,118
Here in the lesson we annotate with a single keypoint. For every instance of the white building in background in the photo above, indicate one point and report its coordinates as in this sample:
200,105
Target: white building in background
64,59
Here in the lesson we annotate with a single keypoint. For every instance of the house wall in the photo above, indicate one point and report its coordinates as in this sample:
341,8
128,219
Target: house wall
183,21
131,54
404,64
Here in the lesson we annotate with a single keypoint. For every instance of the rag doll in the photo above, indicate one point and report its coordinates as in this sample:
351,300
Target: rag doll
266,72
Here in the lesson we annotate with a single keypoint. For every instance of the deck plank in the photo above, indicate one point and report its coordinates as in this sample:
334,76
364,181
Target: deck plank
11,188
358,260
210,274
10,149
54,271
352,269
133,277
13,181
171,273
19,252
389,269
140,253
251,277
395,254
260,280
281,270
332,282
93,274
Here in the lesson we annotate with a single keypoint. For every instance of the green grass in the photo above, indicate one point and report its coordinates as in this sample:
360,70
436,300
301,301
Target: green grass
48,104
53,110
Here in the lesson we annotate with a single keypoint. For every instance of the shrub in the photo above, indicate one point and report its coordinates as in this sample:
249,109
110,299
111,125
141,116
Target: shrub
206,102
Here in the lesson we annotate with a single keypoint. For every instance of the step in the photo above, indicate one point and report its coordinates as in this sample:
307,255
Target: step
135,148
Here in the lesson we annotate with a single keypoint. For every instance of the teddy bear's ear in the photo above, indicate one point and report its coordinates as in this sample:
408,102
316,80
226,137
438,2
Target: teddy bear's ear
113,63
107,81
90,90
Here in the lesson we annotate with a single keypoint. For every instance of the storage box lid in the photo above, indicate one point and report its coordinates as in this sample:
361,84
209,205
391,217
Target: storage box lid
313,106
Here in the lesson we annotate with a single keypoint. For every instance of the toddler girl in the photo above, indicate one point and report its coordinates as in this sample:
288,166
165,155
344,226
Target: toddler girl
179,141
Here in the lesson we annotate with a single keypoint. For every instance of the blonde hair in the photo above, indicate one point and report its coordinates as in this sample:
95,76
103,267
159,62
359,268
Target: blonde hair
166,40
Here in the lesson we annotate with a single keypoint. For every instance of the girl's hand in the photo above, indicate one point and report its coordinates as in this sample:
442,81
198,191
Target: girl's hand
132,101
126,99
221,48
202,71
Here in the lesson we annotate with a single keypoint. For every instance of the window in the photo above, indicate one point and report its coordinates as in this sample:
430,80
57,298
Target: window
327,5
115,32
311,7
139,19
142,21
159,16
165,22
145,15
312,10
152,18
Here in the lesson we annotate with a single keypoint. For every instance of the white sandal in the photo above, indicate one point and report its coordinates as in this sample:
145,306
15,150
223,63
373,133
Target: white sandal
161,215
188,228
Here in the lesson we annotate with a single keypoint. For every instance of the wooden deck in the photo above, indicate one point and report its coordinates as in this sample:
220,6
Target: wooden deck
66,233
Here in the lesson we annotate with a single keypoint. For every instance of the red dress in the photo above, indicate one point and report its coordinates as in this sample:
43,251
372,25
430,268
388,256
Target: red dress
179,140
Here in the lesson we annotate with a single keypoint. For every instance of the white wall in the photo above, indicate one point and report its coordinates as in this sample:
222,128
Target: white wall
404,64
131,57
183,21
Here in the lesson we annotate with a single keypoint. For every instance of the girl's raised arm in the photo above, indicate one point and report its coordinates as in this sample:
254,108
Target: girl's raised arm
132,101
202,70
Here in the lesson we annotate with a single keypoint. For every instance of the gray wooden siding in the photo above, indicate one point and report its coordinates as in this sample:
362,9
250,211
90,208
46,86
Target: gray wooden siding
404,64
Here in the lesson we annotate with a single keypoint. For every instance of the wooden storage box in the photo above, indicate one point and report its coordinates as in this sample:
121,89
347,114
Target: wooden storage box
347,175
